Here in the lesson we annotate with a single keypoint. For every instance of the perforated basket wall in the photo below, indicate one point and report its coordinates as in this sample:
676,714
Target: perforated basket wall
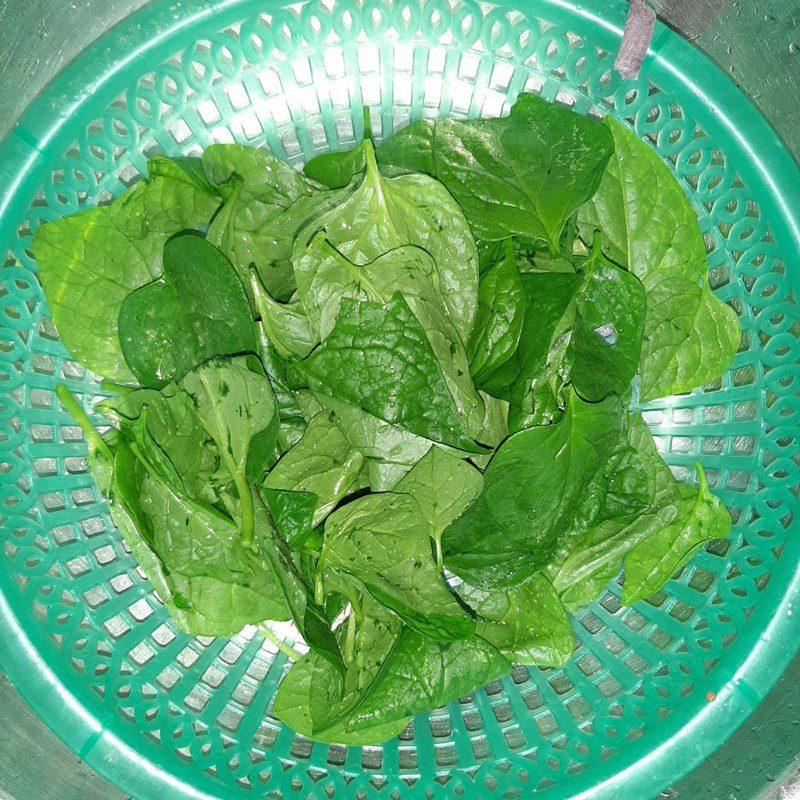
651,689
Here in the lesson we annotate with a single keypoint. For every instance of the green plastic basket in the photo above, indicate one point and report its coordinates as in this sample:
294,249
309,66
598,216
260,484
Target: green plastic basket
651,689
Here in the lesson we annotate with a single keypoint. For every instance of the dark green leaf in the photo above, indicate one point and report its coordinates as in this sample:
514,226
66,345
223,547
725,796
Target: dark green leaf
325,278
421,674
378,359
293,513
531,489
549,317
522,175
336,170
501,309
652,542
609,320
195,311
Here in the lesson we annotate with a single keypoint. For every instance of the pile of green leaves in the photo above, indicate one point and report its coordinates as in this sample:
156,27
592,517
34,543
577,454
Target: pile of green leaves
389,399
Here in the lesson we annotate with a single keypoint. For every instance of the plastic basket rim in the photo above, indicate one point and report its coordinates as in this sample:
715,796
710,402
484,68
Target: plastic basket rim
155,25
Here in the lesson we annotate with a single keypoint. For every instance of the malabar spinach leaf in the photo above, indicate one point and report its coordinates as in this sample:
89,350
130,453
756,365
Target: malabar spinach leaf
366,638
390,451
531,488
421,673
609,319
383,541
286,325
91,261
444,486
651,542
293,514
501,309
651,563
649,226
521,175
315,704
325,278
308,615
235,404
196,310
383,214
219,582
258,189
527,623
323,463
378,358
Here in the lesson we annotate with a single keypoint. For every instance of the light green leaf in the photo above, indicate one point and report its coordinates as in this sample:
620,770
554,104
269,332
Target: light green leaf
366,637
651,563
236,406
90,262
309,616
322,463
383,214
311,701
383,541
649,226
219,583
257,188
527,623
286,325
444,486
171,425
390,451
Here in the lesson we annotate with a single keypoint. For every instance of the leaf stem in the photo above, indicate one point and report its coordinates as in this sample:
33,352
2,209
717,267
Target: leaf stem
247,525
319,588
439,557
355,603
248,512
350,638
367,123
117,388
74,408
269,635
